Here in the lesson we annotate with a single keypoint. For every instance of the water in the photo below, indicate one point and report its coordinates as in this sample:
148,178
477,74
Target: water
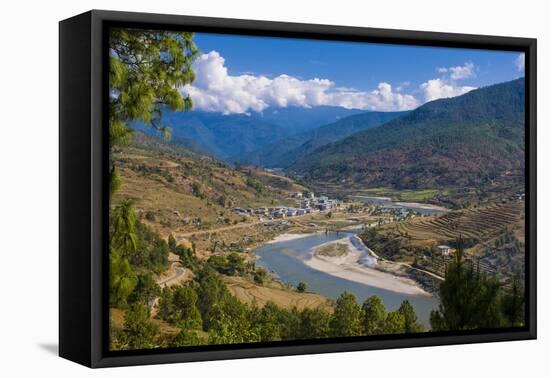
286,260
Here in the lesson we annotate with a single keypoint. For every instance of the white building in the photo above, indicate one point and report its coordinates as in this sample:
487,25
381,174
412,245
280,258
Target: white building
444,250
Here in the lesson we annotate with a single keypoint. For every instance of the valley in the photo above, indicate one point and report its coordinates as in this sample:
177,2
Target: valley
338,218
300,189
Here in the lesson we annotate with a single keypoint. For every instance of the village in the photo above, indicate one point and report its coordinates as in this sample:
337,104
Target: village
306,203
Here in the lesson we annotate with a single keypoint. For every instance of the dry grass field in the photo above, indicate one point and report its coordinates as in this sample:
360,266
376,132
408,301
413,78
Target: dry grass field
251,293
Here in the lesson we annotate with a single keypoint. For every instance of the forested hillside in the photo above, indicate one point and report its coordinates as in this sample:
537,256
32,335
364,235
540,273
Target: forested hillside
283,153
464,141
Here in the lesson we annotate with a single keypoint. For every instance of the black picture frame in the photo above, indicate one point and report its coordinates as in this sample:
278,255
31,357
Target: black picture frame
83,195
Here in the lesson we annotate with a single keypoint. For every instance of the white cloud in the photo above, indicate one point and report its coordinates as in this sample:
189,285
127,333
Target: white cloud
216,90
439,88
465,71
520,62
446,85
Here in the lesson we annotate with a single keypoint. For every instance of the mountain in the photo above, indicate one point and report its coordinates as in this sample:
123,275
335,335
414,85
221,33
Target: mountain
466,141
226,137
296,119
230,137
284,152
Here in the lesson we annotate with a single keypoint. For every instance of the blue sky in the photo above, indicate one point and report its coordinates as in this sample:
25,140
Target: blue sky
258,72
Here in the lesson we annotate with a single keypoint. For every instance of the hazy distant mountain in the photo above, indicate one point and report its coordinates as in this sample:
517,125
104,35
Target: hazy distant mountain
283,153
298,119
230,137
226,137
459,142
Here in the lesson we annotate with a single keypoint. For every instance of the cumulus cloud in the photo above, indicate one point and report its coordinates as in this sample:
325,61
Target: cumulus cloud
437,88
216,90
520,62
465,71
446,85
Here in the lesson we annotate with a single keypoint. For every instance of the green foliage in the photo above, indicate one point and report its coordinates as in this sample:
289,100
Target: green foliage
395,323
132,246
187,338
231,265
469,299
314,324
178,305
229,325
235,264
123,227
119,133
302,287
513,305
268,322
147,68
139,332
256,185
114,181
187,257
146,289
260,275
152,252
122,279
374,315
211,292
347,317
411,324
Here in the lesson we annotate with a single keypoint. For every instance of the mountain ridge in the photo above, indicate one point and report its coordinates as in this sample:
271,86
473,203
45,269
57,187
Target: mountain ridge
232,136
283,153
447,142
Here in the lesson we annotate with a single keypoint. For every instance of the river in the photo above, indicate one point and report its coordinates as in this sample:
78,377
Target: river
286,260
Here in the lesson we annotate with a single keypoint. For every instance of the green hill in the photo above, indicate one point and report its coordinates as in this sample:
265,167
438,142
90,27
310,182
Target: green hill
473,140
283,153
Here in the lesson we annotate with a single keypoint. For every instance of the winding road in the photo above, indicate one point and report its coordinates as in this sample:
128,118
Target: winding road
178,272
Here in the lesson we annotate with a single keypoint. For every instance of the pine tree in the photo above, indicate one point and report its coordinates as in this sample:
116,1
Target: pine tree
347,317
411,320
147,68
139,331
374,313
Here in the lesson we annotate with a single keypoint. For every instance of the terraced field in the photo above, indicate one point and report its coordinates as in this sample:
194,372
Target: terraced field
478,223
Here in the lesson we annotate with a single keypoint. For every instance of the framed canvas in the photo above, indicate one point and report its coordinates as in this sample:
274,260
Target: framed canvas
234,188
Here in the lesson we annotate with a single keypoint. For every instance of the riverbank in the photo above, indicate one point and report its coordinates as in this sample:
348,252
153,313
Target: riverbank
287,237
354,265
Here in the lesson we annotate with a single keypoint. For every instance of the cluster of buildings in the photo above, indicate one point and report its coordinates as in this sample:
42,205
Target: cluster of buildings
322,203
306,203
